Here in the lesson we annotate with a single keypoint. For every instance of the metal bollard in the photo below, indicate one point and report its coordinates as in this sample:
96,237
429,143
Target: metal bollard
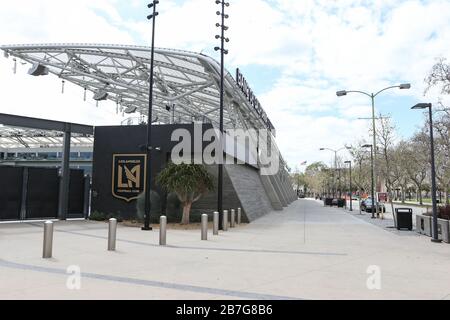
162,230
225,220
48,240
216,223
112,232
239,216
204,227
233,218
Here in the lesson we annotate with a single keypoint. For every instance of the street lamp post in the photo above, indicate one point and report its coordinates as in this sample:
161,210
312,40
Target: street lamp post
223,52
372,96
148,186
433,170
372,178
335,167
339,183
351,191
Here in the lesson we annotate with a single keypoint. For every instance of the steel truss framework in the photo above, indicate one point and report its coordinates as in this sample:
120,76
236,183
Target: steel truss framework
186,80
12,137
186,83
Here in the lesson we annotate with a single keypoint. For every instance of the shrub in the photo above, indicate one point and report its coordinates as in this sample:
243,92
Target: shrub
100,216
97,216
115,216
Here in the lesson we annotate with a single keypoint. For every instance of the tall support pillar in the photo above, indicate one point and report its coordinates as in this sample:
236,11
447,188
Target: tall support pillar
87,196
63,204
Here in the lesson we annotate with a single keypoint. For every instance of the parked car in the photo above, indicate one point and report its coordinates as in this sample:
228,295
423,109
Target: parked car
366,205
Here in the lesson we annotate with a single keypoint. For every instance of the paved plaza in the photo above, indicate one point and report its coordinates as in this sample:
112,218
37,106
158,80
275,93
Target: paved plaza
305,252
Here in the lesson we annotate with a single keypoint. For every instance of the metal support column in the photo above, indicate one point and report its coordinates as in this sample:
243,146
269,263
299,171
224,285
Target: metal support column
63,204
87,196
23,208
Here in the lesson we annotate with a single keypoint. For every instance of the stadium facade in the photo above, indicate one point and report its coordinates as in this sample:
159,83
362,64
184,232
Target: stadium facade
186,96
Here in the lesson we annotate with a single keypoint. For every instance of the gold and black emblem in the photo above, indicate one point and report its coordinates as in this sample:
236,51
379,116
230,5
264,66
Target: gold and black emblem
128,176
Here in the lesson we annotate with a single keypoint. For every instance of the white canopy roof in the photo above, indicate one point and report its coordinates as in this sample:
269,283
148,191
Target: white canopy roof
185,81
12,137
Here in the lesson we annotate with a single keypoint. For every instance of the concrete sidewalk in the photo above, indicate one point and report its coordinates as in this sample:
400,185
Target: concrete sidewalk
304,252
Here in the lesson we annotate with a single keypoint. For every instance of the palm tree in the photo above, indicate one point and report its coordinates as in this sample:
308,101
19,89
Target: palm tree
188,181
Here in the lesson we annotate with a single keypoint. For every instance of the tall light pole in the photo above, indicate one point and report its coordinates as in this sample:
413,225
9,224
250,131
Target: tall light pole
335,161
148,186
223,52
433,170
372,178
298,183
372,96
351,191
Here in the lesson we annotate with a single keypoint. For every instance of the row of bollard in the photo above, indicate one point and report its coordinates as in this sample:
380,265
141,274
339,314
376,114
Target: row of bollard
112,230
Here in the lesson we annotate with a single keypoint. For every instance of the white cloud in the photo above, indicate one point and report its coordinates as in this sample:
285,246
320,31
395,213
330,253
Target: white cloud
52,21
318,46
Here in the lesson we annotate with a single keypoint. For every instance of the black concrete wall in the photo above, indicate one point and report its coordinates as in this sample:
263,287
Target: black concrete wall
127,140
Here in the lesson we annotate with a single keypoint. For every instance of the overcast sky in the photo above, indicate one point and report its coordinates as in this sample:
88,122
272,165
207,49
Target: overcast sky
295,54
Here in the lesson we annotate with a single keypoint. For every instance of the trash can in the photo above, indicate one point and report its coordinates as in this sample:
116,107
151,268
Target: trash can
341,203
404,218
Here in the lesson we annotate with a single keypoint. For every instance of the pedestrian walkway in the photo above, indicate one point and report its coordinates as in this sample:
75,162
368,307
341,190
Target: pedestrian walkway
305,252
387,223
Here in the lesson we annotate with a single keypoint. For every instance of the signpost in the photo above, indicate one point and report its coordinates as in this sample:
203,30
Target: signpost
382,197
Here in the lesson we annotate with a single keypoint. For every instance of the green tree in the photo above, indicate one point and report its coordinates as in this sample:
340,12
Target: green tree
316,177
188,181
417,152
299,181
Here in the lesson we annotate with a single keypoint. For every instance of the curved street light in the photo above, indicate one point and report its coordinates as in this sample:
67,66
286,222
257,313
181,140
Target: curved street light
372,96
429,106
335,163
372,153
223,39
351,191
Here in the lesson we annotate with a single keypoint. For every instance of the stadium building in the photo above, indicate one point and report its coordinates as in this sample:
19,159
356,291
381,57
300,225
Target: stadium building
186,97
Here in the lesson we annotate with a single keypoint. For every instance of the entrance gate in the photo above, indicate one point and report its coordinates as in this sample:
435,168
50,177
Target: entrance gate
11,187
29,193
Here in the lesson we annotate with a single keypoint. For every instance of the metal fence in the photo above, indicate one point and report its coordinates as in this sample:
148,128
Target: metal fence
28,193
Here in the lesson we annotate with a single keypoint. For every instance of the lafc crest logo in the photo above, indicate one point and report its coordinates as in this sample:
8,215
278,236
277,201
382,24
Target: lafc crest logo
128,177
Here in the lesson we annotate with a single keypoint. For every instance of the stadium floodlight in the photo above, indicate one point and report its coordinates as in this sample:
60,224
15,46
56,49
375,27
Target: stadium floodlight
147,198
130,109
38,69
100,95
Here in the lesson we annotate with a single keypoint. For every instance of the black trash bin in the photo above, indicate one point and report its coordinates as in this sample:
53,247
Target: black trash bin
404,218
341,203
